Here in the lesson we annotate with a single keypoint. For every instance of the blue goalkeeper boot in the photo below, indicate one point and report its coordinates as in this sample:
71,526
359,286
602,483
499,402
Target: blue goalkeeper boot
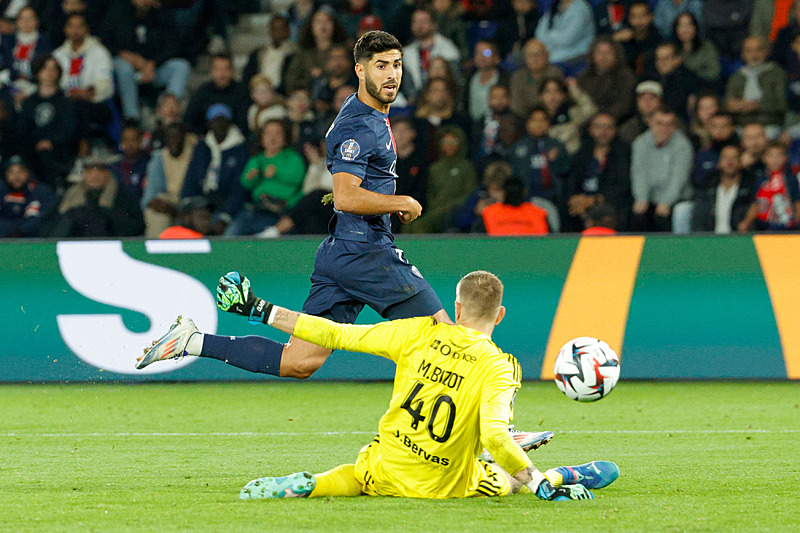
594,475
297,485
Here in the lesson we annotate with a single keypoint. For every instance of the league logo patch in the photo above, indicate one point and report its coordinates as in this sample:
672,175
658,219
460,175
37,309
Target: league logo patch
349,149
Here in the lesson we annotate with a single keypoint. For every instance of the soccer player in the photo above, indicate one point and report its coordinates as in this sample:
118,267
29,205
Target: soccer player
358,264
454,392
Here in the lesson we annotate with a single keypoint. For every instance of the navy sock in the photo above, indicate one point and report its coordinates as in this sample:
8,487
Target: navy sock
252,353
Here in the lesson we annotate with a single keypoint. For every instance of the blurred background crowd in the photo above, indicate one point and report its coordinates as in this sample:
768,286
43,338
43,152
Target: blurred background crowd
185,118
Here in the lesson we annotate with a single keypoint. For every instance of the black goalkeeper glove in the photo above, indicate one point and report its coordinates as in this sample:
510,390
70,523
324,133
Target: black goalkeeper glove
234,296
546,491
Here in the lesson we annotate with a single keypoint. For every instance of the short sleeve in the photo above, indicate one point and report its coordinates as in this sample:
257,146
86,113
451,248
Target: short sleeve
349,147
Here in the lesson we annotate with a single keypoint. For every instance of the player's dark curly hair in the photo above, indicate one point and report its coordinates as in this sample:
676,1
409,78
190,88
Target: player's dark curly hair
375,42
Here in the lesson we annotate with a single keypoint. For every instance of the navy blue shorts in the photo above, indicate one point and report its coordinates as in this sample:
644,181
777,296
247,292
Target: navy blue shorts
348,275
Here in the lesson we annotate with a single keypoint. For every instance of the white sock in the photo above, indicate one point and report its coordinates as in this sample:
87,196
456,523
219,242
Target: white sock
195,344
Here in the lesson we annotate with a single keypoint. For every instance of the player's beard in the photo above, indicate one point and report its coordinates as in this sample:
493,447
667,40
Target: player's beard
375,91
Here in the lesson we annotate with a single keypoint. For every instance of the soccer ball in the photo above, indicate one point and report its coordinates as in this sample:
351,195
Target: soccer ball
586,369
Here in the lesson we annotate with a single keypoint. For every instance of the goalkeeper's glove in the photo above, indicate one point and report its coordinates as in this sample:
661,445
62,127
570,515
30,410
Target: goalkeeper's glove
234,296
546,491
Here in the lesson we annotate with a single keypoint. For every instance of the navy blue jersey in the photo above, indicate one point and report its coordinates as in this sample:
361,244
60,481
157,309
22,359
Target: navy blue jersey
360,142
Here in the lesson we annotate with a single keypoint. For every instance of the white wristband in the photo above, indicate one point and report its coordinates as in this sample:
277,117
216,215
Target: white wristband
271,317
534,483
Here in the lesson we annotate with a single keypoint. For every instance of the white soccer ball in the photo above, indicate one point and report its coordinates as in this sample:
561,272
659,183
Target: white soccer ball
586,369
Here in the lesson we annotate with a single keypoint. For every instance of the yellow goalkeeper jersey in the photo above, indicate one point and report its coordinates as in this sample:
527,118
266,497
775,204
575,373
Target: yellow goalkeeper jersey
453,393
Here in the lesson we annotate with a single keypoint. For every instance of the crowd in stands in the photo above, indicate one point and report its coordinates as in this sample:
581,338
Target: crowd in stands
514,116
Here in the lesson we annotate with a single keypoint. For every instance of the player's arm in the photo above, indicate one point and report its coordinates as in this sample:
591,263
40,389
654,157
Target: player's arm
350,197
497,402
386,339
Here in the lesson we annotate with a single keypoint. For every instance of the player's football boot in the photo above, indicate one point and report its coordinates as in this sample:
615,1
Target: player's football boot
297,485
172,345
594,475
526,440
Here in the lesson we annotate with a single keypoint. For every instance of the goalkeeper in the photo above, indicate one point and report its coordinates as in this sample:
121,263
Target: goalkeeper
453,394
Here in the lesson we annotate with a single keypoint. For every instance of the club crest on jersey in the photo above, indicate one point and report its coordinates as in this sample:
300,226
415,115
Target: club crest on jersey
349,149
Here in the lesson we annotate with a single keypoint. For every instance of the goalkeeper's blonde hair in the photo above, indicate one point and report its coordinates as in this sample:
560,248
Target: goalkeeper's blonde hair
480,294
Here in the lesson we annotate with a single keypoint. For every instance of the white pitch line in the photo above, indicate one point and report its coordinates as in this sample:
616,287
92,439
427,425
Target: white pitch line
344,433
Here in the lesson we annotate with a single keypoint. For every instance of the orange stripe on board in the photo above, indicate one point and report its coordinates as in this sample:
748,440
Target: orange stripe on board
780,262
597,294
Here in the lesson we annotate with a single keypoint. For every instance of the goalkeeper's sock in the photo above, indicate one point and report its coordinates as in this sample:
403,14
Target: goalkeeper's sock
341,481
252,353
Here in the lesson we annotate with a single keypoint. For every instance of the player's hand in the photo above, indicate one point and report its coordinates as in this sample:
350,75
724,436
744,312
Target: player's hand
413,211
234,296
547,491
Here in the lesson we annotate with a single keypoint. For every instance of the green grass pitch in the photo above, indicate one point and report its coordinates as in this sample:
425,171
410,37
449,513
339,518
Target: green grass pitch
161,457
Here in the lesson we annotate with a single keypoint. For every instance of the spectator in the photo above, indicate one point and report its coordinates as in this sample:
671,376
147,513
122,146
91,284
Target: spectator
782,47
600,174
667,11
569,108
449,18
451,179
145,50
469,216
9,136
272,59
722,133
267,104
369,23
513,215
768,17
723,205
88,79
131,170
274,179
412,164
428,43
338,71
517,29
777,199
440,68
726,24
192,221
298,14
301,118
699,55
757,91
59,13
792,121
216,167
437,108
608,81
312,214
678,82
24,201
166,172
648,100
318,34
539,160
20,50
600,220
661,160
487,75
639,40
708,104
350,14
610,15
486,131
567,30
754,144
525,82
46,126
97,206
168,112
223,88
